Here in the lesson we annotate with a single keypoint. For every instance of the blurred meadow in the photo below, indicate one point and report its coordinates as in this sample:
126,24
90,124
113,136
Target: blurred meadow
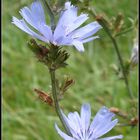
25,117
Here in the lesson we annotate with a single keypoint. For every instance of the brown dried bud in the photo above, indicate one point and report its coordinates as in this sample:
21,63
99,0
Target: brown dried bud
68,83
99,17
134,121
114,110
45,97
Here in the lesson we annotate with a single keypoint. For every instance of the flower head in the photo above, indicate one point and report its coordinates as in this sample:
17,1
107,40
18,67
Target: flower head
81,129
67,32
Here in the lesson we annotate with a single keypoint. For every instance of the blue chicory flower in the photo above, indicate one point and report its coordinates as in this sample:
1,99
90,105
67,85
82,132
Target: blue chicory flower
135,54
81,129
67,32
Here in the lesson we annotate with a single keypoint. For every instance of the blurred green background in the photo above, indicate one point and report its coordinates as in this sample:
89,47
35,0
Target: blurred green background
24,117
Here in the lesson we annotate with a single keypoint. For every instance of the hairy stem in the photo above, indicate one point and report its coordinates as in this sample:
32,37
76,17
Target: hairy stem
57,107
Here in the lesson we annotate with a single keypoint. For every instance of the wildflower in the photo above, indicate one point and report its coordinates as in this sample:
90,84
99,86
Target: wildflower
135,55
81,129
67,32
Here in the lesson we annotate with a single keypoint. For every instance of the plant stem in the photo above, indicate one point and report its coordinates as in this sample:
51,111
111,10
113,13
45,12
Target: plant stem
50,14
57,108
124,32
119,57
107,30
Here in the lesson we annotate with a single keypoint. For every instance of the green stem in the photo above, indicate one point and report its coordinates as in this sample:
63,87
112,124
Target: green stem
107,30
119,57
52,19
124,32
57,108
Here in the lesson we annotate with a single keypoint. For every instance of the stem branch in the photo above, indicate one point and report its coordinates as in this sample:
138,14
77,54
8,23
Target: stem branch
107,30
50,14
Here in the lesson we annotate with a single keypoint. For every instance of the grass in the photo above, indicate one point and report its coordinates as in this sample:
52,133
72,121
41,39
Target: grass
24,117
